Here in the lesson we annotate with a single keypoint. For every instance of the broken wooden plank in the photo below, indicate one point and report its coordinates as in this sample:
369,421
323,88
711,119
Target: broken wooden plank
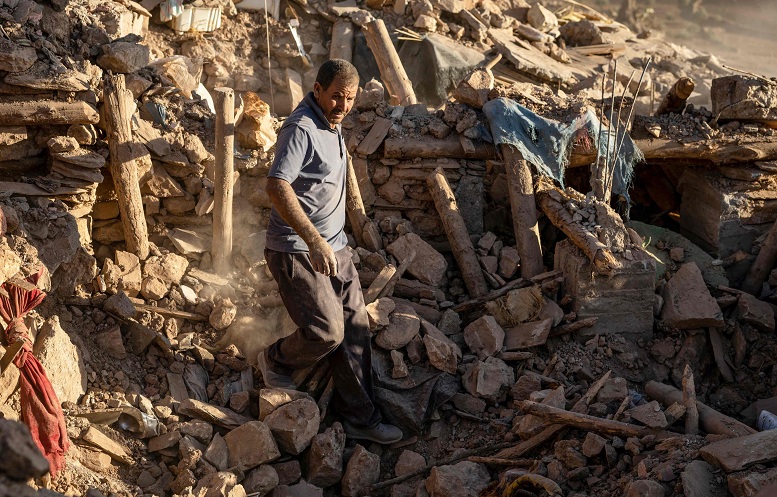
15,188
21,112
711,420
98,439
457,233
374,138
690,403
520,187
566,329
119,107
385,275
171,313
392,72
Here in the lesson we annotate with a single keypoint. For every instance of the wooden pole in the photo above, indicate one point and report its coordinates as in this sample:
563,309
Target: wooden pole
763,265
221,248
677,96
461,245
521,189
341,46
364,230
392,72
689,401
711,420
119,107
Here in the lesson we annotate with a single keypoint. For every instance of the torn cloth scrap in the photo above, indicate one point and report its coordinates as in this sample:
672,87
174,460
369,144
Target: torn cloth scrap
547,144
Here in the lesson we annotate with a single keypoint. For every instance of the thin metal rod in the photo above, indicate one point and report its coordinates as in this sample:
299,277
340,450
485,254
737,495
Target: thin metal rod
633,104
611,166
269,59
609,126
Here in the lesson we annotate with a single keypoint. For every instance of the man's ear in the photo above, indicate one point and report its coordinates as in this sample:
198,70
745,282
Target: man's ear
316,89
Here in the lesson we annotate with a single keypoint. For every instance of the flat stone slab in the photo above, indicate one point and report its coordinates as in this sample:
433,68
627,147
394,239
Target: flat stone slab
687,302
734,454
527,335
698,480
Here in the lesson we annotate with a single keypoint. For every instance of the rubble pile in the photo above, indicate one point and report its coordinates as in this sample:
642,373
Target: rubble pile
574,381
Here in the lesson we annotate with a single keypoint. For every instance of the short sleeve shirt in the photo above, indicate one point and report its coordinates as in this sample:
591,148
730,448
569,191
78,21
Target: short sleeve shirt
311,156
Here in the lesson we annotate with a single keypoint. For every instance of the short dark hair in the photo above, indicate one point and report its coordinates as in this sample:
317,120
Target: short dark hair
336,68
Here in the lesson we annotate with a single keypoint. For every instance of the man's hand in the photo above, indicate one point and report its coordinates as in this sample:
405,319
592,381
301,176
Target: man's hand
323,257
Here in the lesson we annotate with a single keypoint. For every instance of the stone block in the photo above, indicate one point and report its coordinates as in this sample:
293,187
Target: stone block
362,470
687,302
324,460
743,98
250,445
757,313
294,425
484,336
623,301
429,266
464,479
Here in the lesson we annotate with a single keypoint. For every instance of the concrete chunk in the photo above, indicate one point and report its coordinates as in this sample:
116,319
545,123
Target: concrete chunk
687,302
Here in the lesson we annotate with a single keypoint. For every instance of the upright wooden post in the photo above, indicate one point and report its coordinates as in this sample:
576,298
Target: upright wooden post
364,231
341,45
763,265
461,245
392,72
524,210
119,107
224,100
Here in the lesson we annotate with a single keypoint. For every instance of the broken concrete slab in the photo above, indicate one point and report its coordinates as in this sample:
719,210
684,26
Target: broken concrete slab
687,302
743,98
735,454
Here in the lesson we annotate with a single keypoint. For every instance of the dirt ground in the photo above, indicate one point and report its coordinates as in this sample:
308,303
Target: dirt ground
740,32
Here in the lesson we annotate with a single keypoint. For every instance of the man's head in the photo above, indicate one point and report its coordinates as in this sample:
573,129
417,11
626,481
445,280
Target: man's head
335,89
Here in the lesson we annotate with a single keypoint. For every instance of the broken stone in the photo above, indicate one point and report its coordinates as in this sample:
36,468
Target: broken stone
271,399
649,414
742,484
217,453
743,98
474,88
161,442
527,335
593,445
403,325
153,288
124,57
200,430
757,313
531,425
301,489
10,263
255,130
362,470
261,481
294,425
16,58
378,312
613,390
250,445
288,472
169,268
567,452
400,368
120,305
484,337
698,480
469,404
450,322
223,314
429,266
443,353
488,380
216,485
677,254
687,302
111,343
186,241
541,18
213,414
581,33
21,458
372,95
645,488
527,384
61,360
324,460
408,462
465,479
734,454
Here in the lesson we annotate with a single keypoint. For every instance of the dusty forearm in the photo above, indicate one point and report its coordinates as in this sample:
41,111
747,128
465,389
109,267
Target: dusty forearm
286,204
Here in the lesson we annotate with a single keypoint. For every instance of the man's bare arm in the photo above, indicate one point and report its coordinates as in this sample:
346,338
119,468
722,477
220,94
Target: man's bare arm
286,204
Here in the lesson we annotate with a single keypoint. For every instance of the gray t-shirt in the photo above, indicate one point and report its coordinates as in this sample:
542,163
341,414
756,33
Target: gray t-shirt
311,156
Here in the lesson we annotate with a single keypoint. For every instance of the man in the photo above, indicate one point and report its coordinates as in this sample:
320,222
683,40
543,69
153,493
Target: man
307,255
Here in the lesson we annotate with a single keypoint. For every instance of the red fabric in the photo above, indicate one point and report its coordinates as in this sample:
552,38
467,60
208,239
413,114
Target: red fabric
41,410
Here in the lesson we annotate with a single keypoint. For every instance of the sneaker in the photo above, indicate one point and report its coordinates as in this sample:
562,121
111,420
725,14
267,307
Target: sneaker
271,378
381,433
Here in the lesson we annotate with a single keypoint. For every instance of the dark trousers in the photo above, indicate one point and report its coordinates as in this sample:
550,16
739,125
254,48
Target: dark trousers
332,325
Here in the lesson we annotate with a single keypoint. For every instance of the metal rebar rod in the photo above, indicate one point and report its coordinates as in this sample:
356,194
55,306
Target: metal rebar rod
609,170
633,104
609,130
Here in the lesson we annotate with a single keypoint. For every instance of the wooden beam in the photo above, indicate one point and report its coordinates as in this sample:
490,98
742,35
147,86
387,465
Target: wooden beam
119,107
223,190
22,112
524,212
461,245
392,72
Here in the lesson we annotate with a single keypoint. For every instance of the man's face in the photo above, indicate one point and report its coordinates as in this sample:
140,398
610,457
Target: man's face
337,100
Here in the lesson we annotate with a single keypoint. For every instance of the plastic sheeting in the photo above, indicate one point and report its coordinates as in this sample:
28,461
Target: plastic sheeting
547,144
